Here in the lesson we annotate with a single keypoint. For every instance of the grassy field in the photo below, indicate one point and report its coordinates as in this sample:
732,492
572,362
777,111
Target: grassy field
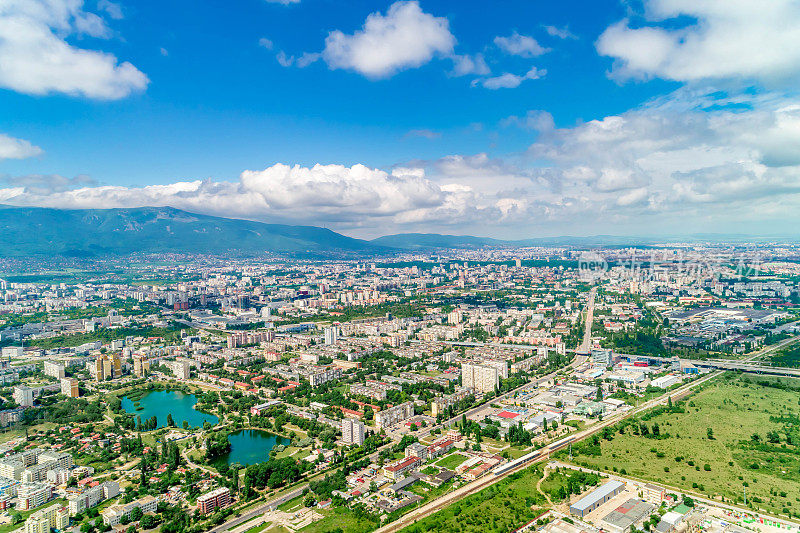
340,519
737,432
501,507
788,356
451,461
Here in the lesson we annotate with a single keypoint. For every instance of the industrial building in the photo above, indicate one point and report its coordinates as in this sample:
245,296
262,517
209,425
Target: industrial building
631,513
596,498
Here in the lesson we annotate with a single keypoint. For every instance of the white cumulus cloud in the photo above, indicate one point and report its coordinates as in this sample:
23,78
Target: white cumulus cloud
508,80
36,59
405,37
520,45
740,39
13,148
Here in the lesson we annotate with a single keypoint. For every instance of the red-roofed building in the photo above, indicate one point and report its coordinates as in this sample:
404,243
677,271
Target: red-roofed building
397,469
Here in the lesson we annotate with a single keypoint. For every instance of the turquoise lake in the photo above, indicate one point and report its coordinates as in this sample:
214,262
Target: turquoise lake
163,403
251,446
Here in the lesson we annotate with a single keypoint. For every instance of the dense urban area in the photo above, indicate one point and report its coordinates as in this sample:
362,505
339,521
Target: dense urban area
490,389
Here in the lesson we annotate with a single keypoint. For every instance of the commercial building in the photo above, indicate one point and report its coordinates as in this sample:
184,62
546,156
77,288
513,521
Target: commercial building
70,388
216,499
394,415
352,431
665,382
596,498
53,517
602,356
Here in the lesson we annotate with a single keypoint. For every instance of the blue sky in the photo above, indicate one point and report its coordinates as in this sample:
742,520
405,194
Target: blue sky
509,118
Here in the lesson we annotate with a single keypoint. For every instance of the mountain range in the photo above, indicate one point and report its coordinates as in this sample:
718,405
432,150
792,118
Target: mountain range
39,231
36,231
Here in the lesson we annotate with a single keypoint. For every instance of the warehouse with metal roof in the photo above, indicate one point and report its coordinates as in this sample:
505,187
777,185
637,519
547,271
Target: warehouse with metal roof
596,498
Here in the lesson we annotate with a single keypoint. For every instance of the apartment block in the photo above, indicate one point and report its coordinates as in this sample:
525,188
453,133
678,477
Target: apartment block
394,415
32,495
331,335
141,365
55,370
43,520
352,431
70,388
440,404
23,396
92,497
480,377
216,499
107,366
179,368
113,515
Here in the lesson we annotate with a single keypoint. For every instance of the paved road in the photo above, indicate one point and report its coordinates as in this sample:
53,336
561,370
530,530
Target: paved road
423,432
261,509
587,331
679,492
490,479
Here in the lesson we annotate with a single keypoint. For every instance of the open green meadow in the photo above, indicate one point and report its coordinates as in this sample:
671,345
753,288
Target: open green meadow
506,505
739,432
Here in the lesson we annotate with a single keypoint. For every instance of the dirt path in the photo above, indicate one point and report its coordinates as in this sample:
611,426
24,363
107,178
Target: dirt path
545,473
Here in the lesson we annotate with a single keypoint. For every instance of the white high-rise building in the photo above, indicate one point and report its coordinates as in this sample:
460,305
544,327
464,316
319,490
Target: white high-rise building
481,378
352,431
331,335
54,369
179,368
23,396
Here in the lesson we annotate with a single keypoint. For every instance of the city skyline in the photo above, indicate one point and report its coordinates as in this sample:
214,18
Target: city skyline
516,121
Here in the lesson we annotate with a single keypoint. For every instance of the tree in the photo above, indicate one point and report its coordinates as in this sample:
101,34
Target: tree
710,433
170,421
235,479
136,514
148,522
309,501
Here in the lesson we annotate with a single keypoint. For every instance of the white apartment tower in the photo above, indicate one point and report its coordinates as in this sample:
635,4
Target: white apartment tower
479,377
331,335
352,431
